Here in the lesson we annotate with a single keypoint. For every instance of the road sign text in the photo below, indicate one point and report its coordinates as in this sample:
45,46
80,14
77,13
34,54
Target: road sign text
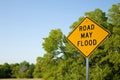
87,36
86,27
86,31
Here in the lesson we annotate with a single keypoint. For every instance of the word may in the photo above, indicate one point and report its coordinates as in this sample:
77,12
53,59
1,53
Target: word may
86,35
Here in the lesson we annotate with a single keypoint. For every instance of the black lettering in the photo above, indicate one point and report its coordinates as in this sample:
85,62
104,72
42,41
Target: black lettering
86,42
87,35
80,28
84,28
90,34
78,43
82,43
82,35
92,27
88,28
90,42
94,41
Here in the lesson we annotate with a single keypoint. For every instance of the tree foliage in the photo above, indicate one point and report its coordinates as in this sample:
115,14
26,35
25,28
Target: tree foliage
22,70
63,62
5,71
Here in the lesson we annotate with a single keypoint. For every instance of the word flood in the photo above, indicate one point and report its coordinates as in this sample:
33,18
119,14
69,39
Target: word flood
87,42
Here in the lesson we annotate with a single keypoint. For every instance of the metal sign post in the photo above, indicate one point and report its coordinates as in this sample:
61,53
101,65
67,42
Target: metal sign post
87,69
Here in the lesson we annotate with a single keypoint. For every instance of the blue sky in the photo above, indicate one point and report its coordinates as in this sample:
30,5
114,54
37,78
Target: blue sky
24,24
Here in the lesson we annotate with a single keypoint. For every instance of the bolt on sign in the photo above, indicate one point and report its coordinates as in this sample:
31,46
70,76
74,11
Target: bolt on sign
87,36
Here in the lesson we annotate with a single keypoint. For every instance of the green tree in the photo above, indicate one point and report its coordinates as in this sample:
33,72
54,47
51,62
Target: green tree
5,71
53,43
14,70
105,58
57,63
63,62
114,14
30,70
114,53
22,70
23,67
38,68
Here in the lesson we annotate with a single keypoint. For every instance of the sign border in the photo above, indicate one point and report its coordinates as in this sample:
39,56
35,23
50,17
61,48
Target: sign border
97,45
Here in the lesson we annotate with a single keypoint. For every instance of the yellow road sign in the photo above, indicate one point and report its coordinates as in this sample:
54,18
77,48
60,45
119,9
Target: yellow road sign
87,36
